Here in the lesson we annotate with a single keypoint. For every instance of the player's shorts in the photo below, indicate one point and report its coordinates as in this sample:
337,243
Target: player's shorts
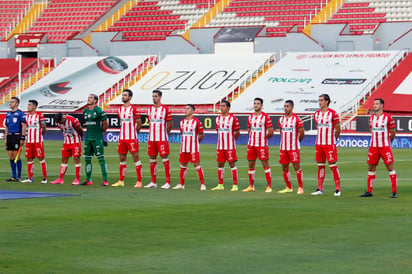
375,153
127,145
13,142
93,147
34,150
324,153
226,155
289,156
257,152
185,157
70,150
158,147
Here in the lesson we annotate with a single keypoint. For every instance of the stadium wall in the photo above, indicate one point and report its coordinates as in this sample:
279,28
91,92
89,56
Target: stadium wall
203,39
7,49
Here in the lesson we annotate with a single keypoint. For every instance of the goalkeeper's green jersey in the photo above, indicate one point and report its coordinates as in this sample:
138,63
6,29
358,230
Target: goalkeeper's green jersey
93,119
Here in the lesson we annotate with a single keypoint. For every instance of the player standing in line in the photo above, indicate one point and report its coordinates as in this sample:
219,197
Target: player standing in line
15,129
260,130
192,133
227,126
72,145
36,127
328,123
382,127
160,125
96,124
130,127
292,133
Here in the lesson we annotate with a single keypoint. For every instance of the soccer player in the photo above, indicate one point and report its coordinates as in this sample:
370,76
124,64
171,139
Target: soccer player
36,127
328,123
72,145
96,124
292,133
382,127
192,133
15,129
130,127
160,125
227,126
260,129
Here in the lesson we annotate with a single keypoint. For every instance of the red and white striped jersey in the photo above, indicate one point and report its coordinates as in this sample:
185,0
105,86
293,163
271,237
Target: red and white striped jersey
226,127
325,122
69,130
380,126
289,132
127,116
34,127
157,123
190,130
258,126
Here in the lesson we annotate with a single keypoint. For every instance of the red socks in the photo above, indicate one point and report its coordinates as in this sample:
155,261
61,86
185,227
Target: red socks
221,174
63,169
166,164
286,177
43,168
321,176
122,171
78,167
393,178
153,170
200,174
234,175
336,176
371,181
183,172
268,175
299,175
30,169
251,173
138,166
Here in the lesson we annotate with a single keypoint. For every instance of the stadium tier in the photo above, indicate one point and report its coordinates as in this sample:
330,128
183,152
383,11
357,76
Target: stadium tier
11,13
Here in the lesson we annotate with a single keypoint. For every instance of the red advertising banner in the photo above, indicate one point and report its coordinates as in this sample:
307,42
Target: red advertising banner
28,40
9,68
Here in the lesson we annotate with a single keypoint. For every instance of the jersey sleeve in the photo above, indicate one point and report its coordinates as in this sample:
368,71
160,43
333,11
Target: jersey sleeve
103,116
168,115
216,124
236,125
248,122
22,117
75,122
136,114
370,122
268,122
199,127
181,126
335,118
391,122
299,123
41,118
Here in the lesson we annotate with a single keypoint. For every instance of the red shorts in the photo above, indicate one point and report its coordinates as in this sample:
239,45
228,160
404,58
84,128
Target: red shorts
127,145
185,157
375,153
161,147
226,155
70,150
326,152
34,150
289,156
257,152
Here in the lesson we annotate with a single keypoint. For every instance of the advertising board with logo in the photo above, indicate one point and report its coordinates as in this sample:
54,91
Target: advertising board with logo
302,77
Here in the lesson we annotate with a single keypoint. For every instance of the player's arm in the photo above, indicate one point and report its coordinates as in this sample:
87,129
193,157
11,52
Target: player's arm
6,132
23,130
43,127
169,126
79,130
269,132
392,134
236,134
301,131
138,124
337,130
104,125
200,137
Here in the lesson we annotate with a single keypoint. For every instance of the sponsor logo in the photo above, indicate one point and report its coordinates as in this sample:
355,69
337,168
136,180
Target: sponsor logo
307,101
301,56
342,81
301,69
289,80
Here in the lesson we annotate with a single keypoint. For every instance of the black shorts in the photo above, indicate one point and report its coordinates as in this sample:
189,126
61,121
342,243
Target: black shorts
13,142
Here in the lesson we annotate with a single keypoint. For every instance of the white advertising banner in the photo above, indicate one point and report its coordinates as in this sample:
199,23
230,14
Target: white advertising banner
195,79
67,86
302,77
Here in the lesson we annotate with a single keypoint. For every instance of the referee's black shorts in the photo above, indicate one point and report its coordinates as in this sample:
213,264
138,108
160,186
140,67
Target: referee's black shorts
13,142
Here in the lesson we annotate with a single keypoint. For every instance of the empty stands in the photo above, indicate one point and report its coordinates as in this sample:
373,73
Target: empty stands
63,19
11,12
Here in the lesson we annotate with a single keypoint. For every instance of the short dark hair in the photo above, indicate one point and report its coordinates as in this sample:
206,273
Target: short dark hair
380,100
58,117
129,91
225,102
158,92
259,99
34,102
326,97
290,102
95,97
191,106
15,98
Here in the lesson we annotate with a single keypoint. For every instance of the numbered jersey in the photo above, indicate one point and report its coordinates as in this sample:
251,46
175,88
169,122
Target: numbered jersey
190,130
34,122
158,118
380,126
226,127
258,125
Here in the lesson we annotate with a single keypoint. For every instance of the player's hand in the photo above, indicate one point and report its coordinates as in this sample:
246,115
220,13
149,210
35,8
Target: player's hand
21,143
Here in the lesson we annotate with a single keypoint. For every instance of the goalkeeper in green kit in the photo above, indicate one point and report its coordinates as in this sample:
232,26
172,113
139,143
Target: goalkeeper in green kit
96,123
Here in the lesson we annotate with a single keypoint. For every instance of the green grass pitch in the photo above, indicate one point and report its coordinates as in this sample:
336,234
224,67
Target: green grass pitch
127,230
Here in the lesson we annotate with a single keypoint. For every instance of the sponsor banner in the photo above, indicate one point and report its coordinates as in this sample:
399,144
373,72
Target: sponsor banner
238,34
195,79
302,77
403,124
67,86
9,68
28,40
